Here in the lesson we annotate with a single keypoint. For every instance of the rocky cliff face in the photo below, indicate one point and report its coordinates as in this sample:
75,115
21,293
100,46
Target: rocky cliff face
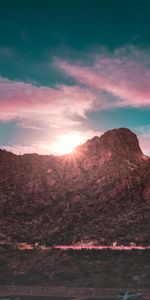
99,193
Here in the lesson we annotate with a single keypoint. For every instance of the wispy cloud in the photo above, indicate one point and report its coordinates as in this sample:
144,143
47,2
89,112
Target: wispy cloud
39,106
124,74
121,79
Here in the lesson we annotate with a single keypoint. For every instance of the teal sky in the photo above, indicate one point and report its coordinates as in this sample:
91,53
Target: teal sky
73,66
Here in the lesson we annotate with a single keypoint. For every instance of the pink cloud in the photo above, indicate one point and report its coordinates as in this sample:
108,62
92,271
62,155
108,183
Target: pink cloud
127,77
31,105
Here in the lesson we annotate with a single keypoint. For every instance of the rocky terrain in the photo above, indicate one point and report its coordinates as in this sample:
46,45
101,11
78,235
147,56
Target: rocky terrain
98,193
85,268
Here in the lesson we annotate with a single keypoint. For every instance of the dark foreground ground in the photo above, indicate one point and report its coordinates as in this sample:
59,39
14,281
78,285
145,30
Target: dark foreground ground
80,268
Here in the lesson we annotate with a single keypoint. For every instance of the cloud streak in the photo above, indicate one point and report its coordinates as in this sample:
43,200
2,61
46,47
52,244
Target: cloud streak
121,79
33,106
124,74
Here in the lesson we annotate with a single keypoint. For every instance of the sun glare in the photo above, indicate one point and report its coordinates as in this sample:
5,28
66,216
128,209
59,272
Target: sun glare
66,143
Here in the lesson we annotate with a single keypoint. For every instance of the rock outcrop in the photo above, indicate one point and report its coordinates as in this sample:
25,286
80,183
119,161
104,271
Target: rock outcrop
99,192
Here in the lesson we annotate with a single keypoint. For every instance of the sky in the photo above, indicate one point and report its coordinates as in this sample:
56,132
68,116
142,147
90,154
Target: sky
72,68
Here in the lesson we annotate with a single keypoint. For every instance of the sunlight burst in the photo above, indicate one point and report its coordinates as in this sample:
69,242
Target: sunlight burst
66,143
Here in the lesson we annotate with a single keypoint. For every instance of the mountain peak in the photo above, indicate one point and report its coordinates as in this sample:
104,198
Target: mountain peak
121,142
99,193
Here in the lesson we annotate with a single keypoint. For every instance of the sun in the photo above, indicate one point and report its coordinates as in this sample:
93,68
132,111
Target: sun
66,143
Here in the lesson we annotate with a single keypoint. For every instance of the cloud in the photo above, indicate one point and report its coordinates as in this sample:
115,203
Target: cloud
118,79
124,74
43,107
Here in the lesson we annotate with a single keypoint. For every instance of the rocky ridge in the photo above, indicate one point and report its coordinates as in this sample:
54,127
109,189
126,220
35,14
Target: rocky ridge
99,193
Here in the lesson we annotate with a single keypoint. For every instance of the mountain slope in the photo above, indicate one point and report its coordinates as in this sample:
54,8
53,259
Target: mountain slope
100,192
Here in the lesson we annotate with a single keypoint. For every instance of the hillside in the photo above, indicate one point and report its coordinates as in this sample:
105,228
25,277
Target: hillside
85,268
99,193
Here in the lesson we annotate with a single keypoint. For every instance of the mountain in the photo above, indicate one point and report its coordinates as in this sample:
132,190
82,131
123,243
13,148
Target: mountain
99,193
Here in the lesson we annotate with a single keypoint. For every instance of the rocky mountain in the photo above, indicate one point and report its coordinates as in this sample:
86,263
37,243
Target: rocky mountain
99,193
